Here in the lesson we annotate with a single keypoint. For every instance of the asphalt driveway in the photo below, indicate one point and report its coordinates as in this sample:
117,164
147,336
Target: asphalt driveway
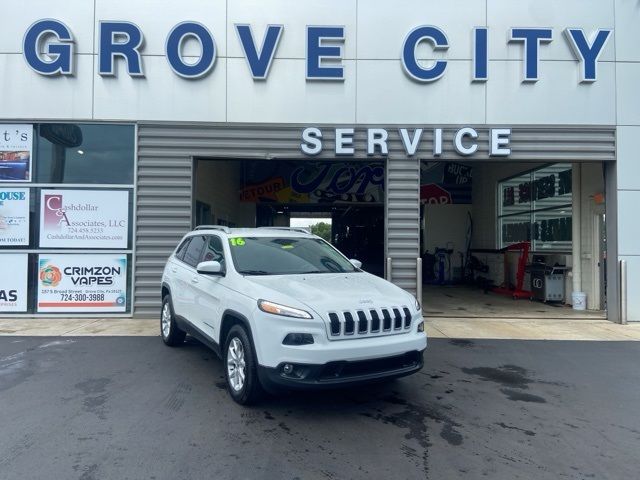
131,408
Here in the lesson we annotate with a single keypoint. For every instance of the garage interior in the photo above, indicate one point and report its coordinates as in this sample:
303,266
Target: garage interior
347,197
498,240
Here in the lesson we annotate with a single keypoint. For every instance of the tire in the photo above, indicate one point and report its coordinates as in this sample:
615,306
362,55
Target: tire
169,330
241,367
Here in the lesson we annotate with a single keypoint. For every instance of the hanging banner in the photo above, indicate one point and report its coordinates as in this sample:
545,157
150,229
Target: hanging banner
314,182
84,218
14,216
16,145
82,283
13,285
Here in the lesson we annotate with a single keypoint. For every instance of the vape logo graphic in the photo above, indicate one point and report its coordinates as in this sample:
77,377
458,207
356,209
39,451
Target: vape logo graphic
54,213
50,276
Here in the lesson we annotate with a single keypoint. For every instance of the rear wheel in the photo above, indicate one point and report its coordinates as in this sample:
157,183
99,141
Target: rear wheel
241,367
171,333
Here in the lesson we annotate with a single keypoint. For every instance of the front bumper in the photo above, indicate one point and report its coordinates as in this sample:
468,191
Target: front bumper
269,332
340,373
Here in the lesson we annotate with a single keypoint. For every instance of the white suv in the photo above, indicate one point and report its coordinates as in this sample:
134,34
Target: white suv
283,308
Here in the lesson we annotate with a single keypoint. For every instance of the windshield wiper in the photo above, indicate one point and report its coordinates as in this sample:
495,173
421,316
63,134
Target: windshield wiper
323,271
253,272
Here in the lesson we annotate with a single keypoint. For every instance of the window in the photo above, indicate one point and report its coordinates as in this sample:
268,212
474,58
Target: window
85,153
536,207
214,251
193,253
286,256
182,249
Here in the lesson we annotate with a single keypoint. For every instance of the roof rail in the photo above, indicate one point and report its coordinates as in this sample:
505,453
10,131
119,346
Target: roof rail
290,229
223,228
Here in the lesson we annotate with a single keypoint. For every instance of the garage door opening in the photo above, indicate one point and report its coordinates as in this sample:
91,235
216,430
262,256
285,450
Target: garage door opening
498,240
342,202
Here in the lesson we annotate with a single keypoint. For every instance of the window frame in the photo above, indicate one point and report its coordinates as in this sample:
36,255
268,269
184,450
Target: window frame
532,210
191,238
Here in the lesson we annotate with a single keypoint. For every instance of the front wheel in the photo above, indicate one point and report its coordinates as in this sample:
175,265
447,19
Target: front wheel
241,367
171,333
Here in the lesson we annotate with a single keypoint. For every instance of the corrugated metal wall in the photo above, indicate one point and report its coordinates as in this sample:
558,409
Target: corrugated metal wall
403,220
165,162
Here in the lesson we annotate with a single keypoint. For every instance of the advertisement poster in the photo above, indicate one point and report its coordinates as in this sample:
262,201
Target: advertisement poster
13,287
314,182
82,283
84,218
16,145
445,183
14,216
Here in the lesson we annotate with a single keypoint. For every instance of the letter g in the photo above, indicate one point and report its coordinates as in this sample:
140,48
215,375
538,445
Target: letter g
59,51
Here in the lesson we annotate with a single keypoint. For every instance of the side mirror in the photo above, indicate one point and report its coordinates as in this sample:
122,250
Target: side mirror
356,263
210,268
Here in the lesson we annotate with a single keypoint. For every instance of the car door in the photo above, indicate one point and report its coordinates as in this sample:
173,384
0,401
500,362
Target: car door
175,277
209,290
188,278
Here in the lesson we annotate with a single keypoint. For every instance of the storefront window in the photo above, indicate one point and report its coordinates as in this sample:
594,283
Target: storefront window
536,207
89,153
66,209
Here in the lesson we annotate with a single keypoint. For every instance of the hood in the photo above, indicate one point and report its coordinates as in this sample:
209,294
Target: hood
332,291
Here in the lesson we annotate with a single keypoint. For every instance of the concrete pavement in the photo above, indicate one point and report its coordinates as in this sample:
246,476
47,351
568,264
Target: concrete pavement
437,327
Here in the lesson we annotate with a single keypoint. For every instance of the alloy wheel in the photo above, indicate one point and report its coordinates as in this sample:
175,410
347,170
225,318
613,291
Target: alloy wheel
236,365
166,320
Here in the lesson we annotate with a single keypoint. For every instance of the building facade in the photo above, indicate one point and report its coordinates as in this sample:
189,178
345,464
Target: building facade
110,111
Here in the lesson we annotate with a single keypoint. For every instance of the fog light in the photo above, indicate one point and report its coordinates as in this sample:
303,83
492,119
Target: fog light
287,368
421,327
298,339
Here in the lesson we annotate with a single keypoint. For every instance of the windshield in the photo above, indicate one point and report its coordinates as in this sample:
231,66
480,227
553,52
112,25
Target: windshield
286,256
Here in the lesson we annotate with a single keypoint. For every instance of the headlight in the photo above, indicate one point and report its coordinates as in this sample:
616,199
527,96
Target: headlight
283,310
417,304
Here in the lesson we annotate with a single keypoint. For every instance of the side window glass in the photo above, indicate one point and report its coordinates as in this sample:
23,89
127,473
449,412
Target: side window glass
182,249
214,251
193,254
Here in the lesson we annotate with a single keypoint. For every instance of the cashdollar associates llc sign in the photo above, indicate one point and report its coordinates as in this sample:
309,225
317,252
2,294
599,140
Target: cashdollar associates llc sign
82,283
84,218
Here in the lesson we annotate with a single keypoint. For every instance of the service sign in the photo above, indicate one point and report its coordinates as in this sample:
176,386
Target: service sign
14,216
84,218
16,142
82,283
13,282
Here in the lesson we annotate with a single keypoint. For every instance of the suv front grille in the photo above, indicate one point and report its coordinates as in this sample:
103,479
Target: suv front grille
367,323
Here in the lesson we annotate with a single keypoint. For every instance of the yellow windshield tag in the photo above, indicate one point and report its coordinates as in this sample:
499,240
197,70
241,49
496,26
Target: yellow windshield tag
287,247
237,242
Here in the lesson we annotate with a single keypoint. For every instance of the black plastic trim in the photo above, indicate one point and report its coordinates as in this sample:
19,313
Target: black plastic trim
314,379
198,334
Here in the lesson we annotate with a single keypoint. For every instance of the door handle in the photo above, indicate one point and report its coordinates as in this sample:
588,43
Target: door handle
194,280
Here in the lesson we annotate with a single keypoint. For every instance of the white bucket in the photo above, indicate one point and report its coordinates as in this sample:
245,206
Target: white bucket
579,300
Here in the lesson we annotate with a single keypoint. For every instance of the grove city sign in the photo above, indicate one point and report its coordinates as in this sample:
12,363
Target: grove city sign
48,48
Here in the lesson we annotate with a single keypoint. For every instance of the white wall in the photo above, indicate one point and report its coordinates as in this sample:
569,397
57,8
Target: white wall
628,120
375,90
446,225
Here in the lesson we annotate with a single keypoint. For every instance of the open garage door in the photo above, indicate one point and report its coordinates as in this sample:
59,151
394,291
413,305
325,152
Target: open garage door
341,201
498,240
